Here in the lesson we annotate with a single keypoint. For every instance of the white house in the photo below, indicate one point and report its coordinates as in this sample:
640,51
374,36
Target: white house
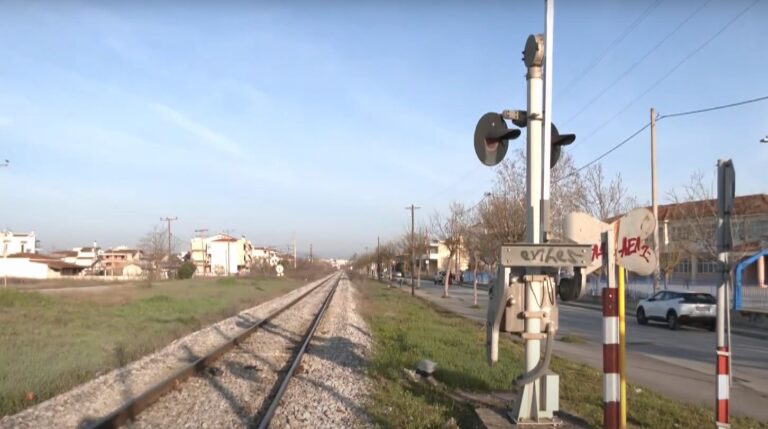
36,266
17,242
265,255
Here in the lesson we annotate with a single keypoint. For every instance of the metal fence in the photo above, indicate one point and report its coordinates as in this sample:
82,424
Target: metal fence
754,298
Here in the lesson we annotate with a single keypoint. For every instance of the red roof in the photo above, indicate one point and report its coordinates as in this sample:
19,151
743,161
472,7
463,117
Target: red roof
52,262
744,205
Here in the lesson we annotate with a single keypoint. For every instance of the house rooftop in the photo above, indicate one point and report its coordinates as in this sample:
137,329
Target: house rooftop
744,205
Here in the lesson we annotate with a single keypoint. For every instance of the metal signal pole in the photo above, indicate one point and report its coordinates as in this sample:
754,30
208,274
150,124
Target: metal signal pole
412,208
726,193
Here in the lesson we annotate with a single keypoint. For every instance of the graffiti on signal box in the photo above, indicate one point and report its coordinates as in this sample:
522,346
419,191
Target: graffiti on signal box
632,245
629,246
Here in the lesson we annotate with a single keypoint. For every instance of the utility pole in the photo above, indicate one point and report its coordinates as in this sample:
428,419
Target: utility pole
294,251
169,220
378,259
413,208
311,258
201,234
654,200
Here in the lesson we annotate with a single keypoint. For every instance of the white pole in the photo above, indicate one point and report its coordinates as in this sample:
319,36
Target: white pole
533,195
546,125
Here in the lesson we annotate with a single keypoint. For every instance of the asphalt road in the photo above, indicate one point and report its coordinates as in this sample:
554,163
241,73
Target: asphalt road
678,364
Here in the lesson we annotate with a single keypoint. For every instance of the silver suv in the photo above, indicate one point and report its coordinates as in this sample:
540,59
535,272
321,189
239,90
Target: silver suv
676,308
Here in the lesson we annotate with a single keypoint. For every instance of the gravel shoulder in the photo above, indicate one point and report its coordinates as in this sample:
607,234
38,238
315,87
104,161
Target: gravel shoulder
102,395
331,387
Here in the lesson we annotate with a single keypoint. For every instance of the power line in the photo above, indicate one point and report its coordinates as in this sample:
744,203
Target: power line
637,63
627,31
661,117
452,185
710,109
673,69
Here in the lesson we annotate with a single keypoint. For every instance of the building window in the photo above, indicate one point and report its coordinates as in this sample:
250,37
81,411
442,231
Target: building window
757,229
707,266
684,266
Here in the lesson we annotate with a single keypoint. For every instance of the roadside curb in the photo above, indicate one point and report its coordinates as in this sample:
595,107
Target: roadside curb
735,331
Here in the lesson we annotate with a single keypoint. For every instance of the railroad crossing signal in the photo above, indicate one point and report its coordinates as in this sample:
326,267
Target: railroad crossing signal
492,136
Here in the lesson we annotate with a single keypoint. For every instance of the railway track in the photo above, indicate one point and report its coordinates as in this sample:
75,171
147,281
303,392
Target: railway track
243,379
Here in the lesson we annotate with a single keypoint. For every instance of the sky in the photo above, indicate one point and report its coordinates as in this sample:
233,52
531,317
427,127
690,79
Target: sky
326,119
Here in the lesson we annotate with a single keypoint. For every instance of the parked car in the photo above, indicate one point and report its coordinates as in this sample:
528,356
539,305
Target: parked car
439,277
678,308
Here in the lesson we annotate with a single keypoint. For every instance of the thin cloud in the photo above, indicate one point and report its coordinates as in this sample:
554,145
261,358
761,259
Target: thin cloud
209,136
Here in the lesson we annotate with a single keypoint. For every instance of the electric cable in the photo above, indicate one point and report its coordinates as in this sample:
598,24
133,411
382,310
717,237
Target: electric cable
627,31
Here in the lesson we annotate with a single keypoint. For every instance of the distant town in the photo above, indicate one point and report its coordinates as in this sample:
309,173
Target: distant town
215,255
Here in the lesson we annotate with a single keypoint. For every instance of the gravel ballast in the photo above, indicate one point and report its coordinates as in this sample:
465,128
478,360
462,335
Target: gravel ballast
100,396
330,387
237,385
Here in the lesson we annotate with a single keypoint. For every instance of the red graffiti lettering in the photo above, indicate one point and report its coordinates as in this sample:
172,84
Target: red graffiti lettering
597,251
632,245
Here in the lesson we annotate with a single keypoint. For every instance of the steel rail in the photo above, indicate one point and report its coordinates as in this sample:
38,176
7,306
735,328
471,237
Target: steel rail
267,418
132,408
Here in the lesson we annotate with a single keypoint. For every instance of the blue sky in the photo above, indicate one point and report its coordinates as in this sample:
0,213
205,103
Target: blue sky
328,119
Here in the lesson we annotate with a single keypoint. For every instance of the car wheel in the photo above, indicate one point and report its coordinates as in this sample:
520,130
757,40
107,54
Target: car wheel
672,320
641,319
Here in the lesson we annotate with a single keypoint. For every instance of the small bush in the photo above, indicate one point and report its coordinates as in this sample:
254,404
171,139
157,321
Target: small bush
186,270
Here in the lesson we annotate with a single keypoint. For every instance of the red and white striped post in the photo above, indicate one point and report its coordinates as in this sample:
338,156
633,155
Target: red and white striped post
723,387
611,376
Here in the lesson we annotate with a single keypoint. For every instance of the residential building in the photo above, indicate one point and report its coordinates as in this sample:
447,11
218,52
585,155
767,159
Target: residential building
265,256
198,254
438,258
17,242
687,240
36,266
114,261
227,255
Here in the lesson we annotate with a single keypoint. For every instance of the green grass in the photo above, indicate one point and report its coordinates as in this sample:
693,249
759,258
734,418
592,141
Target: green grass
573,339
406,330
52,342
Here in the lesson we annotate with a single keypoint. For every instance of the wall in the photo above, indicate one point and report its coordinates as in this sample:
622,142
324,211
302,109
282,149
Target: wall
23,268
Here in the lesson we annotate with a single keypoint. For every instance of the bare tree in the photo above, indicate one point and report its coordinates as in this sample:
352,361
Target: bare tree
421,247
566,192
449,229
695,209
154,245
604,198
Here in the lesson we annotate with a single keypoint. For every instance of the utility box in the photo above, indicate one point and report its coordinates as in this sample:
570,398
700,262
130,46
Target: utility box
550,386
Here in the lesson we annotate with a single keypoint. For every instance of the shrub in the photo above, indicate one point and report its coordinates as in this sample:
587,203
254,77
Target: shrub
186,270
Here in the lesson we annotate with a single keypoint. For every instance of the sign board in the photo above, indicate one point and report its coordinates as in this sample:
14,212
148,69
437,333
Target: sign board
631,230
545,255
584,229
632,252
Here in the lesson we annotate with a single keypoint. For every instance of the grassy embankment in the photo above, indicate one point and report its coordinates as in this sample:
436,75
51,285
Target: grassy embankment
407,330
52,342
